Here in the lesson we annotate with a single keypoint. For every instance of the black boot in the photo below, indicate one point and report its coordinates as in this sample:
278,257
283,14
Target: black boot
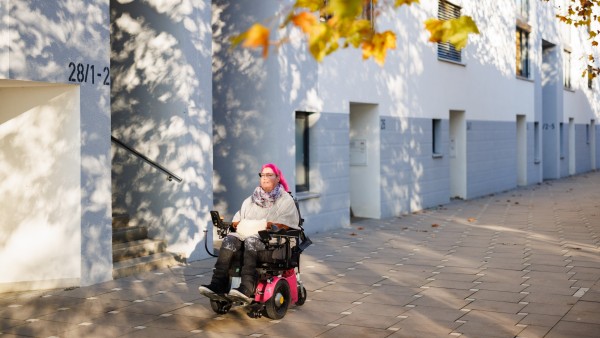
248,273
219,283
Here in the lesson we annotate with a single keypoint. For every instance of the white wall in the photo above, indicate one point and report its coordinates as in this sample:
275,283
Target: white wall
414,83
58,43
40,171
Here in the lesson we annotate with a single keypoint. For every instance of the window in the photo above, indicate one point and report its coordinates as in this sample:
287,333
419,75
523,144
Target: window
436,136
523,9
587,133
522,52
536,142
446,50
302,163
567,69
590,76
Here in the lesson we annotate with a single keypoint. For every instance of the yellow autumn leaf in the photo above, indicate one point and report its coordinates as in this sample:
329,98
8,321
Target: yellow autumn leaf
322,41
312,5
345,8
456,31
399,3
461,28
305,21
257,36
436,29
378,46
359,31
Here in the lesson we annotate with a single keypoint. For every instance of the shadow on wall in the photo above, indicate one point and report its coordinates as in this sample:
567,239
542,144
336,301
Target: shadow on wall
161,106
45,37
254,102
40,166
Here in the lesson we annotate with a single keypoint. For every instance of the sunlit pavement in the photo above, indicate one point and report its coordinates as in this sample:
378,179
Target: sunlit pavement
524,263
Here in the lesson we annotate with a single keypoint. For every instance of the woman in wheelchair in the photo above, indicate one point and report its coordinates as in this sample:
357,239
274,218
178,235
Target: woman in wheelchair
270,204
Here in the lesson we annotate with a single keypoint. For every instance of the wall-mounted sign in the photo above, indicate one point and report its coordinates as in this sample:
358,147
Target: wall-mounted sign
88,73
358,152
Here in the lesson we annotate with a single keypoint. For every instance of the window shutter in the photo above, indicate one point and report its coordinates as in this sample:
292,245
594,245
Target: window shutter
446,50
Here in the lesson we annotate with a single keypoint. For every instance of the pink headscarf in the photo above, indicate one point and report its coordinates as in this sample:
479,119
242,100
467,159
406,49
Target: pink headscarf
278,173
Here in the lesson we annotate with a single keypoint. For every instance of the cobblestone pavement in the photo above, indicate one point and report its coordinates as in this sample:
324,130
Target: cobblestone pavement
523,263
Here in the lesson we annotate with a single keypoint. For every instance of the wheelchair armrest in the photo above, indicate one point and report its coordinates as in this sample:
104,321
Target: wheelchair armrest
223,228
274,232
264,235
293,232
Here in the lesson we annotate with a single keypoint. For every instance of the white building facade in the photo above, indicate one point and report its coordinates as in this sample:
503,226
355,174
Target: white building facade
429,126
352,138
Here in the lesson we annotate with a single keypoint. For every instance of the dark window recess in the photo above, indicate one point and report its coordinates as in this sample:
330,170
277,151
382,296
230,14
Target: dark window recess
302,154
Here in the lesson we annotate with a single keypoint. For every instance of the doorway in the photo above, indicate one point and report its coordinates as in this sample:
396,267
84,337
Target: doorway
521,150
40,148
365,168
571,146
458,155
552,89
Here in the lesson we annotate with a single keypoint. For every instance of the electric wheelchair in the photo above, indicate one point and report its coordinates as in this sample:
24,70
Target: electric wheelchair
278,271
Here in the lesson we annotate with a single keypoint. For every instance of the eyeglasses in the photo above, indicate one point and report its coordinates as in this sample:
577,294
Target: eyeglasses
269,175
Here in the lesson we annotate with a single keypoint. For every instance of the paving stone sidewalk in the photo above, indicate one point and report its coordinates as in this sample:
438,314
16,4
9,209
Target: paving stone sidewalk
523,263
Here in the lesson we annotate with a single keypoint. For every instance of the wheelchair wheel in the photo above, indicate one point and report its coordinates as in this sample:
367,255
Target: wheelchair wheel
219,306
301,295
276,307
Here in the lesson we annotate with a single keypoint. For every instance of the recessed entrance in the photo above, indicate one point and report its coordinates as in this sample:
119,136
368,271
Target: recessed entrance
365,174
458,155
521,150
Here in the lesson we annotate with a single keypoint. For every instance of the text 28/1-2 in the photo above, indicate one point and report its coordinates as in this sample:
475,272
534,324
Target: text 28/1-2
86,73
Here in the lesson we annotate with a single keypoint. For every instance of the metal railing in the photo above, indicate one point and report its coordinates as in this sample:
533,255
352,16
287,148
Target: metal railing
170,175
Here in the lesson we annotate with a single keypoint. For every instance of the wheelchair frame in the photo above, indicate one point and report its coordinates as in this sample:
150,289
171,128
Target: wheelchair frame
278,282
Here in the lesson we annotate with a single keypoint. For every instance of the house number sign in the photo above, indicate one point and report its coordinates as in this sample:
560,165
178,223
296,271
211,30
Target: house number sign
88,73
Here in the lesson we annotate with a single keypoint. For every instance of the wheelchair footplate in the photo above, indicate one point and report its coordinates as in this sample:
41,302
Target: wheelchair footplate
255,310
223,303
225,298
214,296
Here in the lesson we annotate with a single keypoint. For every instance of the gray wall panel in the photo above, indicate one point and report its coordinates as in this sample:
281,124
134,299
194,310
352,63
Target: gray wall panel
491,157
411,178
329,173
